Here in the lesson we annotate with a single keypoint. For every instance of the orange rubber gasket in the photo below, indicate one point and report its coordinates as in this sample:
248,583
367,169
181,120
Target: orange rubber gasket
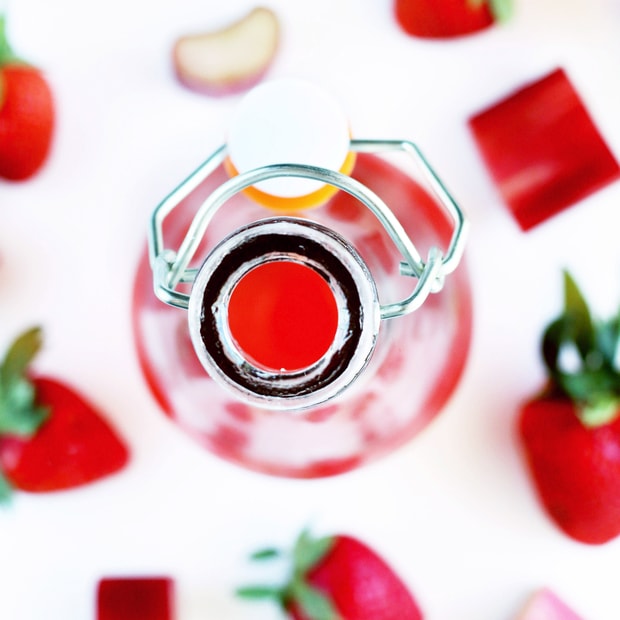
293,203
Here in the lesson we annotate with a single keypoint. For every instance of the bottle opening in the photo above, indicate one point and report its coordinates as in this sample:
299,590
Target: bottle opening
283,316
284,313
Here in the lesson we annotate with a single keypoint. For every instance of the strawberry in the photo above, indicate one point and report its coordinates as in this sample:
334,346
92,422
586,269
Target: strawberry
51,438
442,19
337,578
27,115
570,433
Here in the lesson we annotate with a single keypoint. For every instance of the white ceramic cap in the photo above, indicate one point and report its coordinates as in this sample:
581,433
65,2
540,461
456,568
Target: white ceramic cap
288,121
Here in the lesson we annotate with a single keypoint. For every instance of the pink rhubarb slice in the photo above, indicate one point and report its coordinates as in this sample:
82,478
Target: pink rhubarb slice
543,149
545,605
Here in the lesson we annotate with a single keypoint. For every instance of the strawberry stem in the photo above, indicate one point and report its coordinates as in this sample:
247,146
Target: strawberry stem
6,52
19,412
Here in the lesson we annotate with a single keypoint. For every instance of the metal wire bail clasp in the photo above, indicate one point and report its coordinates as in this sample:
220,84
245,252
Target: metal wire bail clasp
171,267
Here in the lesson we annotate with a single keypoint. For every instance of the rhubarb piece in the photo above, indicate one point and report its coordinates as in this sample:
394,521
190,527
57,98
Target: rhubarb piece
229,60
543,149
545,605
135,598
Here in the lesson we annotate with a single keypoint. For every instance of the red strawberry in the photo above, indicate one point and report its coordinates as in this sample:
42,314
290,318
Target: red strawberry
571,432
50,437
26,115
442,19
338,578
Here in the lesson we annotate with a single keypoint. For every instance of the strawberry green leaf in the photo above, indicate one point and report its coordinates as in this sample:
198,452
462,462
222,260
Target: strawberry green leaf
266,554
574,326
585,386
259,592
296,592
607,341
552,342
502,10
308,551
316,605
6,53
6,490
19,415
577,312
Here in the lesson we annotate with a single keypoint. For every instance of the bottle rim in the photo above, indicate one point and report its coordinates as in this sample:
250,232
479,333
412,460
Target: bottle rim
350,280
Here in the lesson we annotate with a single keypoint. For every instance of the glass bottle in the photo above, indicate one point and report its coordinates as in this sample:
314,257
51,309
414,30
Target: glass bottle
371,353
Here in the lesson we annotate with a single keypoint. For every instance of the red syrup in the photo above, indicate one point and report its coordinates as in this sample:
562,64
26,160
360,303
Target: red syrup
416,366
283,315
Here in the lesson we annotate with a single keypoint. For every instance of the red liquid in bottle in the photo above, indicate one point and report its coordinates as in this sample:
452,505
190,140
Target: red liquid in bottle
283,315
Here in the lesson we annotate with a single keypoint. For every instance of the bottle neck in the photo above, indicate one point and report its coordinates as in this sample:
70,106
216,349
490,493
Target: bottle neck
284,313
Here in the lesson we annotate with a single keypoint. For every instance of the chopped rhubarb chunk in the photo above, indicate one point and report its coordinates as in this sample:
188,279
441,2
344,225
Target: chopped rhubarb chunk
542,149
545,605
135,598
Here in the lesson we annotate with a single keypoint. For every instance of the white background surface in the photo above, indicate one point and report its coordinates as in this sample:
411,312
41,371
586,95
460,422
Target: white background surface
453,511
